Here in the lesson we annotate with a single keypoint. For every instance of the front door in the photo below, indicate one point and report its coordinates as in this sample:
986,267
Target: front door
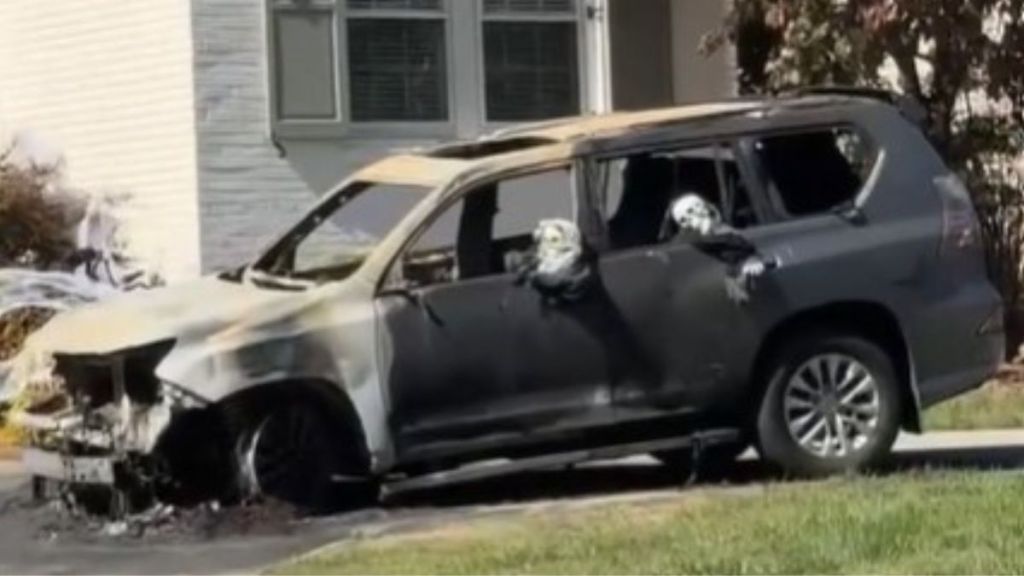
477,356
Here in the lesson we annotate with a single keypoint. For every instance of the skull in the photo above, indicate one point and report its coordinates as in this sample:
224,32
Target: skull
559,246
694,214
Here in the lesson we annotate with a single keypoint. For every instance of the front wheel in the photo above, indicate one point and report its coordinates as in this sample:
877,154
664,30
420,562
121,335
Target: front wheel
295,454
832,405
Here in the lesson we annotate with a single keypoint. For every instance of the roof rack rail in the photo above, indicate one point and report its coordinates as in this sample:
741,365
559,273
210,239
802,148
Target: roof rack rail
908,106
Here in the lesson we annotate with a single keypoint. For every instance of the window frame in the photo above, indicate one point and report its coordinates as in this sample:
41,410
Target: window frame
273,7
758,198
775,203
343,126
465,74
390,281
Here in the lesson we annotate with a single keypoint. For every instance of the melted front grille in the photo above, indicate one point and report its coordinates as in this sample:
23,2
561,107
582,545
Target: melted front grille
93,381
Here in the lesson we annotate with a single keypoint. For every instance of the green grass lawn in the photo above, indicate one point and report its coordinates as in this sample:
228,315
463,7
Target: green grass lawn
996,406
942,523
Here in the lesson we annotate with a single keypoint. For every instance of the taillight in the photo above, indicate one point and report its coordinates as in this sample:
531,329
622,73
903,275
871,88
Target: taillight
959,222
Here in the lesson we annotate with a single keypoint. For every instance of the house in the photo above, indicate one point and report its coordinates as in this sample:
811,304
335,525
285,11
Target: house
225,119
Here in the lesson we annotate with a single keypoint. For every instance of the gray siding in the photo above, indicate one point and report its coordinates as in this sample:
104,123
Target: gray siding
248,193
245,190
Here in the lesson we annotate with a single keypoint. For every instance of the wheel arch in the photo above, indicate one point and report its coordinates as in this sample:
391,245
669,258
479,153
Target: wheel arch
870,320
333,398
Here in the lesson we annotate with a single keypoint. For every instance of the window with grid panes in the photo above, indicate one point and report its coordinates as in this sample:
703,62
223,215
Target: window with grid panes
387,62
397,60
531,62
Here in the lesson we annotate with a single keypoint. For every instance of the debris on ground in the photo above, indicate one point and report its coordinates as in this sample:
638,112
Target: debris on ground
60,521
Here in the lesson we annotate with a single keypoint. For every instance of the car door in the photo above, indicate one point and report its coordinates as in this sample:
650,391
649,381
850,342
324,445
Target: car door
477,356
690,331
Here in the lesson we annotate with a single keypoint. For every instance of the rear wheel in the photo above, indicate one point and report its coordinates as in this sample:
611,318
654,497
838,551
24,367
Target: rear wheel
832,405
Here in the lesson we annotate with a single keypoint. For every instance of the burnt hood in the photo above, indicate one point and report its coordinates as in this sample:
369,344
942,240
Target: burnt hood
187,311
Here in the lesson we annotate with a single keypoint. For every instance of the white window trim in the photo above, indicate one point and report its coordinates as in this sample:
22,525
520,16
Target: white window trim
466,90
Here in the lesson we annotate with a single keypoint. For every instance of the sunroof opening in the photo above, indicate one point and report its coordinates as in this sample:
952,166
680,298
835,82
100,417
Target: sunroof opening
485,148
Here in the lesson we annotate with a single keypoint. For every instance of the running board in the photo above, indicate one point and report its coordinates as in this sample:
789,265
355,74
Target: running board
492,468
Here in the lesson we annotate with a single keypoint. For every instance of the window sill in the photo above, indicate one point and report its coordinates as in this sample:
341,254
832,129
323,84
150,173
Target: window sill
365,130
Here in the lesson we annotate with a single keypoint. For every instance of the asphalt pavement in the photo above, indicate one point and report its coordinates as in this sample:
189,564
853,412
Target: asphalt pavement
39,540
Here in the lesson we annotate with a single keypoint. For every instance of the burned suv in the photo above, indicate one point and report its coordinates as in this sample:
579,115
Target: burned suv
801,274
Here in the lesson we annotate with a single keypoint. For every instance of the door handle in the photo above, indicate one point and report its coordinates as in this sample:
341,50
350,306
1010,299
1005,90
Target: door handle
658,255
758,265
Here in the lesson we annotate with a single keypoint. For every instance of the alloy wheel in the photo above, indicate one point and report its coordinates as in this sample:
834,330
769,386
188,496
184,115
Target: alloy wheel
832,405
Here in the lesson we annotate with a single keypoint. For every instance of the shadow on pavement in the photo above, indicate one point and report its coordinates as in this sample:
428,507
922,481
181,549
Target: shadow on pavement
620,478
983,458
22,551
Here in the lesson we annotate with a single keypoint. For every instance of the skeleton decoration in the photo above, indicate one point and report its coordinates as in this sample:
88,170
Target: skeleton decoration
100,270
698,219
693,215
558,271
101,249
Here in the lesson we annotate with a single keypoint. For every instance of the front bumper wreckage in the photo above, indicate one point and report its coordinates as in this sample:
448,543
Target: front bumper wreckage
101,420
93,471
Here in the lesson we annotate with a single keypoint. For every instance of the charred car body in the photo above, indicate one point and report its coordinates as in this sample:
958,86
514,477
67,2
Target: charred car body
804,274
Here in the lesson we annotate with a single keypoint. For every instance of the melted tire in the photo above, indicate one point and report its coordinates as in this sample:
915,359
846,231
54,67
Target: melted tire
294,454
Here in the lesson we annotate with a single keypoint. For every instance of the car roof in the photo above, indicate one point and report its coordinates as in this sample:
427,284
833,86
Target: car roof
557,139
604,124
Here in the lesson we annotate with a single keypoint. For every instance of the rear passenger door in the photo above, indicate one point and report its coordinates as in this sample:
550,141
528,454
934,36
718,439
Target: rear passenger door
826,224
684,329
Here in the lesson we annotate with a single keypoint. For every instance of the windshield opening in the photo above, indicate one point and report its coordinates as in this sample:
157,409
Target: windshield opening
333,240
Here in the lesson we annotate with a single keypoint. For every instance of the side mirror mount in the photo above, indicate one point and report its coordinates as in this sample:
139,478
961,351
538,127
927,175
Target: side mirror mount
852,213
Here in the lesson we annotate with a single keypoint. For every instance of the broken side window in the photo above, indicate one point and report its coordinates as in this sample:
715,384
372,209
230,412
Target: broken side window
489,231
332,241
817,171
640,189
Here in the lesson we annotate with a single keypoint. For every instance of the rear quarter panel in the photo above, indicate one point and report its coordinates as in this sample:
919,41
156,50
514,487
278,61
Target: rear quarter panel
891,260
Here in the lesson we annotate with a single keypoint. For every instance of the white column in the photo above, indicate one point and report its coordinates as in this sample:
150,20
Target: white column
597,56
466,79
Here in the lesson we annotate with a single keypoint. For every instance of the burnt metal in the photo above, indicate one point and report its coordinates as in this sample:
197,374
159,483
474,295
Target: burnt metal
455,360
471,473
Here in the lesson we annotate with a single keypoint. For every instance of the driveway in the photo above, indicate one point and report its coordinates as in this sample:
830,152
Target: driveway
32,542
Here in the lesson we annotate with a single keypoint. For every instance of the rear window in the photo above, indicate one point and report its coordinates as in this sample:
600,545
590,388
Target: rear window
816,171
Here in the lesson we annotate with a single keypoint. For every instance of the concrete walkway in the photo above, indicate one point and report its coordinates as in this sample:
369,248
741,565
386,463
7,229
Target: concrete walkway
959,440
24,551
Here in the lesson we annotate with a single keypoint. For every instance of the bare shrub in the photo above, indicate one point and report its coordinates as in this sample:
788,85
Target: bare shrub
37,216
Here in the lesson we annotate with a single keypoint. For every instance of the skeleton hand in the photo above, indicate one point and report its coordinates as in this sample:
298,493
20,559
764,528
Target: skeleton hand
740,285
752,268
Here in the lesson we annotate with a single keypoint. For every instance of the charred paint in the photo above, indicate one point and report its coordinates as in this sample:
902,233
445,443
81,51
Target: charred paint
492,363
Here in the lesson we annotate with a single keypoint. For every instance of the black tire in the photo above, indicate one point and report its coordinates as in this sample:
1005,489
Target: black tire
296,453
779,446
715,461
